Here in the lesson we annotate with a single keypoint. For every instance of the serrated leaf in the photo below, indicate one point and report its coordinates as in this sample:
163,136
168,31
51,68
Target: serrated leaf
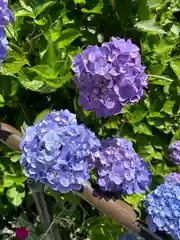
34,83
55,30
26,6
7,182
18,180
14,196
142,128
44,71
67,37
42,7
41,21
136,116
13,63
24,13
168,106
41,115
150,26
14,156
146,151
175,65
97,9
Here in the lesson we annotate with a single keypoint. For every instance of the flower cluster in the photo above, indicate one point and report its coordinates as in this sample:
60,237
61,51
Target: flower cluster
56,150
163,208
120,169
109,77
172,178
5,17
131,236
174,151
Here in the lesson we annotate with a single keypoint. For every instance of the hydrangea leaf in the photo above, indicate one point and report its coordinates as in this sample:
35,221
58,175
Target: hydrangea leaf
13,63
150,26
14,196
67,37
175,65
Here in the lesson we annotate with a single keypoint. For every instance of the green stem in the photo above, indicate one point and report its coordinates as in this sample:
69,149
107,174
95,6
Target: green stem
161,77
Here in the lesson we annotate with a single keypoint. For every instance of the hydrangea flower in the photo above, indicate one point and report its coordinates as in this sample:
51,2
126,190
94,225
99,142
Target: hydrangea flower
56,150
120,169
5,14
5,17
174,151
131,236
172,178
163,208
109,76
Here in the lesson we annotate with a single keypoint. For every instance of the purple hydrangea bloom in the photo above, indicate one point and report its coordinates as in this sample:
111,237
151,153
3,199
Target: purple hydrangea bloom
109,77
120,169
5,14
5,17
172,177
163,208
131,236
56,150
174,151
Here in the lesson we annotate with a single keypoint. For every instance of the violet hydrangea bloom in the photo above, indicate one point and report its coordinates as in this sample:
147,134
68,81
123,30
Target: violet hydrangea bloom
55,151
131,236
5,17
163,208
109,77
120,169
172,177
174,152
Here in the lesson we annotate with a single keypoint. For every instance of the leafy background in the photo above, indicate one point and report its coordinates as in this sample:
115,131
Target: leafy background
36,77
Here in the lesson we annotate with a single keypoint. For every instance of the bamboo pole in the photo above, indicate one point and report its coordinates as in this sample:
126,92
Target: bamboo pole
120,211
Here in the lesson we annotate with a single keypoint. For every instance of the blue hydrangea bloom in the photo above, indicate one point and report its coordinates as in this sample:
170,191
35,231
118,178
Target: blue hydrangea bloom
56,150
163,208
109,77
120,169
5,17
172,177
174,152
131,236
5,14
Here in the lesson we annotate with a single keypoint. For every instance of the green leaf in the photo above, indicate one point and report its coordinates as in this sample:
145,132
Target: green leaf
146,151
55,30
7,182
79,1
25,6
24,13
168,106
14,156
67,37
1,101
41,21
175,65
97,9
136,116
150,26
176,135
13,63
14,196
142,128
44,71
42,7
34,83
41,115
18,180
135,199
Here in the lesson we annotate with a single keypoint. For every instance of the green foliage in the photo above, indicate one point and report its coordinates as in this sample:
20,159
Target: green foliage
36,77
